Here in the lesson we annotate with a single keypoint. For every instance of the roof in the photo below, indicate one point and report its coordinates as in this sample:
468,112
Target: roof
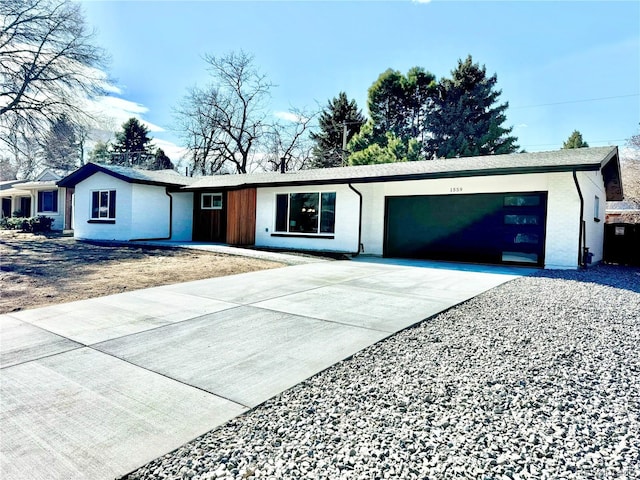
8,184
130,175
583,159
49,174
36,185
14,192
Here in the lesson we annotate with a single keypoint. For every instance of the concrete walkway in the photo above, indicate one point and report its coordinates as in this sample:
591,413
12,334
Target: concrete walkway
96,388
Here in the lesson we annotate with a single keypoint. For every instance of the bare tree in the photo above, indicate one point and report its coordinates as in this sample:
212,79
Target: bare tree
288,146
48,65
223,122
196,120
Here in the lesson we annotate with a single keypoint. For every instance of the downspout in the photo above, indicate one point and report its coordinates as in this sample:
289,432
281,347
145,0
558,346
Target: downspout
360,246
166,191
581,235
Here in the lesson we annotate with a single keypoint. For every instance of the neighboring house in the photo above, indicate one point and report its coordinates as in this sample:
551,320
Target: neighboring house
540,209
41,196
623,212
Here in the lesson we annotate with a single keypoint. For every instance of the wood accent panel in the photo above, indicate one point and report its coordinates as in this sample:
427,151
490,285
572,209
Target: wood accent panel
241,217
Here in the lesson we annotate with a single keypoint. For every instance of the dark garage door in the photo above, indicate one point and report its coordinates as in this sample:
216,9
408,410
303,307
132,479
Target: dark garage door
483,228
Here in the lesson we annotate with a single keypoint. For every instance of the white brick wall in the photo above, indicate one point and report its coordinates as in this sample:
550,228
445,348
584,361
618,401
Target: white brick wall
563,221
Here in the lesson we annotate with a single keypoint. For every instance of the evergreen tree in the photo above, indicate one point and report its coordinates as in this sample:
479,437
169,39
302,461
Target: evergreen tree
60,147
160,161
339,112
398,106
101,153
387,102
132,143
364,151
467,120
575,141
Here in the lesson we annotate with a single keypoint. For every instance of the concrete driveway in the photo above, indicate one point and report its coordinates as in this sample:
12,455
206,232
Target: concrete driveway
96,388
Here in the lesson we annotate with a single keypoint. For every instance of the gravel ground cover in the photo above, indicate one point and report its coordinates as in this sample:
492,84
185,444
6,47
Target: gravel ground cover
536,379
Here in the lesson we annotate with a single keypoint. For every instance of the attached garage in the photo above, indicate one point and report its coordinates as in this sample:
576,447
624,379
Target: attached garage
485,228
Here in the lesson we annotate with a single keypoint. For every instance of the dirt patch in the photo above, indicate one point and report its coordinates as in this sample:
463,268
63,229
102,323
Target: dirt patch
38,270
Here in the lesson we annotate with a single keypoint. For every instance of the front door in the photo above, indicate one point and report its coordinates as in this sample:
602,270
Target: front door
209,217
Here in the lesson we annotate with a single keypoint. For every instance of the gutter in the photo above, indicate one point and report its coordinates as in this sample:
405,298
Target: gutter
166,191
581,236
360,246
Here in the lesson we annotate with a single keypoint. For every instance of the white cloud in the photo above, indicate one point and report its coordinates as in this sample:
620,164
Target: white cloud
521,125
114,111
421,1
289,116
173,151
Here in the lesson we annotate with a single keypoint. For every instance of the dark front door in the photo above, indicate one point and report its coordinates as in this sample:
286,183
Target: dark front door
209,217
6,207
25,206
481,228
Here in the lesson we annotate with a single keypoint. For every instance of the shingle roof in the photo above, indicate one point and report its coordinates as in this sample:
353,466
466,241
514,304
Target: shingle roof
36,184
537,162
131,175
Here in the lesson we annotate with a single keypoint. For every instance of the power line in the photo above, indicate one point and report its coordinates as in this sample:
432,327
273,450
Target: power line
561,142
576,101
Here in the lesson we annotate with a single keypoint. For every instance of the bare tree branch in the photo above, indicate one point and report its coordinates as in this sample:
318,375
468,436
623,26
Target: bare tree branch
222,123
48,66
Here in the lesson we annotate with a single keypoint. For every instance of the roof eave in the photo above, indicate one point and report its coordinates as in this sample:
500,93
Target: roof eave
612,176
404,177
89,169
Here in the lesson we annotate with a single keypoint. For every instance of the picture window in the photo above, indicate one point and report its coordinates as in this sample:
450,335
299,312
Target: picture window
306,213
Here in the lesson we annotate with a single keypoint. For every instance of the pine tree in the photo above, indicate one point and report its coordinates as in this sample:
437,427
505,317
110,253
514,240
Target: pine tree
575,141
132,143
398,108
160,161
467,120
340,111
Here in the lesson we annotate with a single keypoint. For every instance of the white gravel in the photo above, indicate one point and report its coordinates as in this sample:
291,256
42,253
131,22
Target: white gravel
536,379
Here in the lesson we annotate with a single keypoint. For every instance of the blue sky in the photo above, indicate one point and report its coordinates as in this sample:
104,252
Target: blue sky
560,65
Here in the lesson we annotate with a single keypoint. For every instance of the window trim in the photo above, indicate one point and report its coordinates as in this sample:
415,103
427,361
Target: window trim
288,233
213,206
596,209
56,201
111,193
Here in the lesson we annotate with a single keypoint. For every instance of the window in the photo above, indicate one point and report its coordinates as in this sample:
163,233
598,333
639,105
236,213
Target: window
596,209
521,200
521,219
306,213
211,201
103,205
48,201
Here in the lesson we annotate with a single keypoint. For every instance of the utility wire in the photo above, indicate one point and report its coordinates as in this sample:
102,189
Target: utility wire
576,101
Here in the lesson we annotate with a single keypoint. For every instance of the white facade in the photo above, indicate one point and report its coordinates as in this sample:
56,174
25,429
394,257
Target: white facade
562,223
142,211
346,221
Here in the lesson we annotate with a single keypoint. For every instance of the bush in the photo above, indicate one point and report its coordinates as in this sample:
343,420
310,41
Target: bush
39,224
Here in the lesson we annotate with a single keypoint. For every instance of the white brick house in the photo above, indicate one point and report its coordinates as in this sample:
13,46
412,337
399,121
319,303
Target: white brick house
541,209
